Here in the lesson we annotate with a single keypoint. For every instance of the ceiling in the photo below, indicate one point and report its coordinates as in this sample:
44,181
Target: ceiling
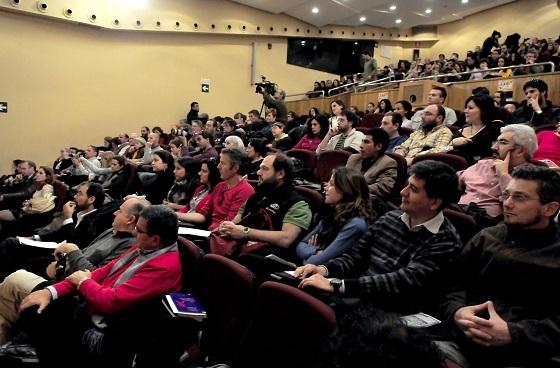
376,12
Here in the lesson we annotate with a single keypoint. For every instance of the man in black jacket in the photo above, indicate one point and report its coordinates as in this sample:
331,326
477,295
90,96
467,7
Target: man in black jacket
503,310
537,110
20,188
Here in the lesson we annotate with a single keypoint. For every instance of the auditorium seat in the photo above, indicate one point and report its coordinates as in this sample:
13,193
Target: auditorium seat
309,158
405,131
464,223
402,177
371,121
327,161
456,162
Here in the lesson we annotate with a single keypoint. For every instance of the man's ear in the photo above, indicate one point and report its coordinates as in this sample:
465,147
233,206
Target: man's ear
550,209
436,203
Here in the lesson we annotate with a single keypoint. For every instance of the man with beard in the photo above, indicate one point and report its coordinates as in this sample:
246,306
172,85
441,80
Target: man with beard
275,217
537,110
502,310
485,181
432,136
436,96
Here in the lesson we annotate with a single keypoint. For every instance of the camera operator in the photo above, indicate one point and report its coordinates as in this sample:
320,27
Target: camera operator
276,100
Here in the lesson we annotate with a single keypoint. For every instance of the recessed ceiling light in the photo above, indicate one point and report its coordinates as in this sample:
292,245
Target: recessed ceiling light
464,1
355,43
362,19
302,43
398,21
428,11
393,7
315,10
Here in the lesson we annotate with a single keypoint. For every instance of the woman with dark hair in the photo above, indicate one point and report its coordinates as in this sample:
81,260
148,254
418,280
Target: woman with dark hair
474,141
162,136
370,108
317,129
345,221
176,147
156,187
384,107
337,106
256,151
209,176
185,184
404,109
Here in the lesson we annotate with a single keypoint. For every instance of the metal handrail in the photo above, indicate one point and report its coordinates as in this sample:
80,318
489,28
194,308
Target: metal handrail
340,87
322,92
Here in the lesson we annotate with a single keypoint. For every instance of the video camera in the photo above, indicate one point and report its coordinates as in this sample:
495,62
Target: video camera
267,86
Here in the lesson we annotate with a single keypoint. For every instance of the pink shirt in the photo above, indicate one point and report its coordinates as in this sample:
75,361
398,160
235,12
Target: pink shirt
307,143
549,146
226,202
483,186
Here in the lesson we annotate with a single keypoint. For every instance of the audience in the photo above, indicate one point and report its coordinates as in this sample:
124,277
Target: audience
536,110
343,135
316,131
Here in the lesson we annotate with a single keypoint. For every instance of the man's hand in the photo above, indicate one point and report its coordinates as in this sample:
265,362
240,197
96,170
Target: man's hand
534,103
65,248
51,269
308,270
502,166
78,276
68,209
317,281
487,332
231,230
42,298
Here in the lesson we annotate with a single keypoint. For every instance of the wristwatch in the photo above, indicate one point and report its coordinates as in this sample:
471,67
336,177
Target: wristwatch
336,284
246,232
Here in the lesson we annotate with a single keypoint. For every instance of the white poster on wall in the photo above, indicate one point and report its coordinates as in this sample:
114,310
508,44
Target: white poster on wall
385,52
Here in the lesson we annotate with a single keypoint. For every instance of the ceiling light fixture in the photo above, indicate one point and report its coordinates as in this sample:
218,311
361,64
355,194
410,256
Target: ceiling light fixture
428,11
393,7
464,1
362,19
398,21
315,10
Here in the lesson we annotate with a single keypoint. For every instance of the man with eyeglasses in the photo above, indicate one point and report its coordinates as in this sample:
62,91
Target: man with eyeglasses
205,147
537,110
485,181
502,310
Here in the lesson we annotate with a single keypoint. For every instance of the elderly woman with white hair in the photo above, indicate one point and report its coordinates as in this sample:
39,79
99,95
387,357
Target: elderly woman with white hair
235,142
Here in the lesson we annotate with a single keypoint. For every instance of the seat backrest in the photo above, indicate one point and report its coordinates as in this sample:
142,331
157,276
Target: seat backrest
402,174
190,256
455,161
60,191
371,121
405,131
288,329
308,158
312,197
227,295
327,161
130,172
464,223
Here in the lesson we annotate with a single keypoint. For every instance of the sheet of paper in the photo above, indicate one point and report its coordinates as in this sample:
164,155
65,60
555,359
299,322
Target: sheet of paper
420,320
36,243
194,232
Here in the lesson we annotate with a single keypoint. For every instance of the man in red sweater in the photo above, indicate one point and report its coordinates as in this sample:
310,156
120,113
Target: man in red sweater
149,269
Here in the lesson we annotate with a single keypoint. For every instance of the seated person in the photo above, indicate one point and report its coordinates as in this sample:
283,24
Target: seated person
502,309
186,181
344,221
152,146
485,181
316,131
148,270
256,150
109,245
113,178
234,142
97,172
474,141
432,136
20,187
63,161
230,194
549,147
136,149
391,123
536,110
436,96
78,172
155,187
205,147
280,139
209,177
379,170
342,135
402,262
273,219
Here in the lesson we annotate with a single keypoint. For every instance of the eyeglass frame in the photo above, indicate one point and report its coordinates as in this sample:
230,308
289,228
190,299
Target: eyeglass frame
517,197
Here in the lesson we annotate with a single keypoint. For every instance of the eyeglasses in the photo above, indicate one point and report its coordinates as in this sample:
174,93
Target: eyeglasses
501,142
517,197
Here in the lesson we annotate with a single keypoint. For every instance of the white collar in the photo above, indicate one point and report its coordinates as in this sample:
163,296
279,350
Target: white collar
80,215
432,225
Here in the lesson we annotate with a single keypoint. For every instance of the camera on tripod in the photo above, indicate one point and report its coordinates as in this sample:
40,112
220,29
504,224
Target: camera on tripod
265,86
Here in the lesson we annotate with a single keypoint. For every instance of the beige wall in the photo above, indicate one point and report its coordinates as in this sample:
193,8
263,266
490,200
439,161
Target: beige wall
529,18
68,84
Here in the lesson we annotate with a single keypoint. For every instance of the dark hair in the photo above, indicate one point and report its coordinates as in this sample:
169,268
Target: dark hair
366,53
50,176
147,128
480,91
157,129
486,105
177,142
317,112
255,113
259,145
95,190
240,115
355,195
548,181
396,118
441,111
440,180
94,148
338,102
388,106
323,123
230,122
213,174
351,117
30,163
120,159
166,158
378,135
407,107
536,83
161,221
193,103
190,165
204,134
237,158
442,91
283,162
197,122
137,207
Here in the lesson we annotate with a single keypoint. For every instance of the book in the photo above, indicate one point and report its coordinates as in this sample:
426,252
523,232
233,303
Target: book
282,261
184,305
420,320
194,232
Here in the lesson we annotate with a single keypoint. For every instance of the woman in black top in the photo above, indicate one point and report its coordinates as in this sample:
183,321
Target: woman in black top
157,186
